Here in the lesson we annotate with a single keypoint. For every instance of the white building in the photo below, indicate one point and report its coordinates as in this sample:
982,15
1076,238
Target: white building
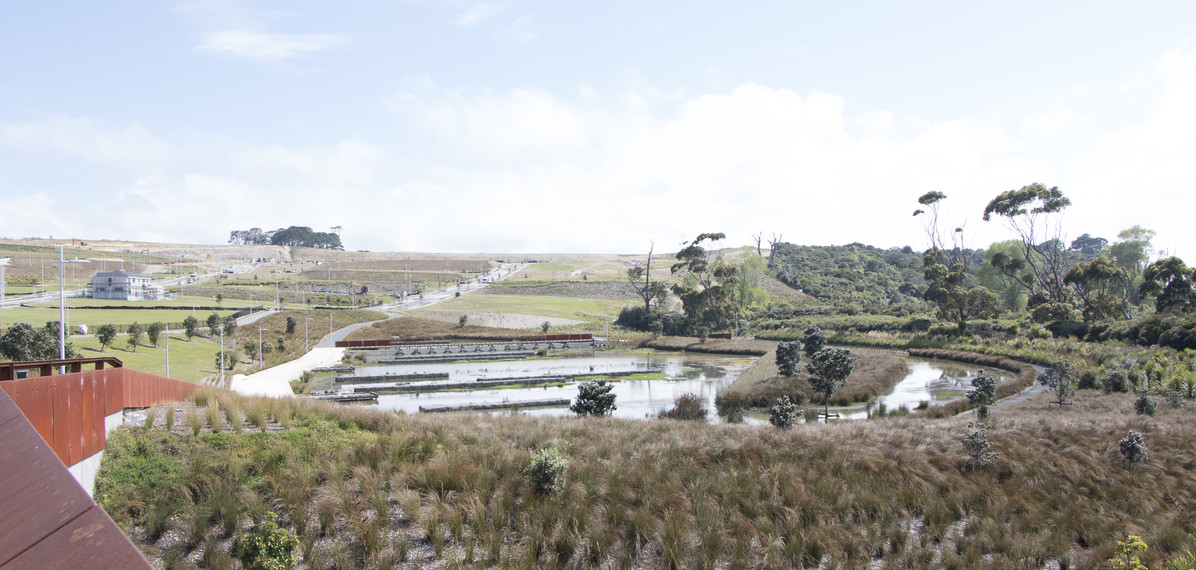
123,285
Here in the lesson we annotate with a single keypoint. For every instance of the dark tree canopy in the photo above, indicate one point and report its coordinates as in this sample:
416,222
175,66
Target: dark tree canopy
1033,199
829,368
705,290
297,236
22,342
1102,288
1171,283
1032,212
594,399
788,357
1087,247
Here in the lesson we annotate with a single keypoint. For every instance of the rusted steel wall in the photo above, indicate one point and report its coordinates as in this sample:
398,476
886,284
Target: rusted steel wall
68,410
46,518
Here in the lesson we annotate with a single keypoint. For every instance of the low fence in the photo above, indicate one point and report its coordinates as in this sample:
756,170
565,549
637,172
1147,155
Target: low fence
68,410
526,338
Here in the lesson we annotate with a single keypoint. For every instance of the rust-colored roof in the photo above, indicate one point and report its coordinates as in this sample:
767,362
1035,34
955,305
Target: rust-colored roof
46,519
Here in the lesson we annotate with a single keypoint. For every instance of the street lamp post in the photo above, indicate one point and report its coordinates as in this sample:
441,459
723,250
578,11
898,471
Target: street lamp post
260,357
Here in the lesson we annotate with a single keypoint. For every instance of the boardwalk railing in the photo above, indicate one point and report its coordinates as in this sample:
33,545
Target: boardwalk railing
68,410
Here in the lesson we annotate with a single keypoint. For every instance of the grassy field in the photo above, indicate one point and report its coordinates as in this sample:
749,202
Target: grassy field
189,361
95,317
588,310
366,488
592,269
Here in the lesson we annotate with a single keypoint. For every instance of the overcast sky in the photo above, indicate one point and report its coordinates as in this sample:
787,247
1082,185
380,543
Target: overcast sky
555,126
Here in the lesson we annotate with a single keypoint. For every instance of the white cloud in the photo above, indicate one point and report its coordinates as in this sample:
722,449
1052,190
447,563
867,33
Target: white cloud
527,169
476,15
1143,174
87,140
266,47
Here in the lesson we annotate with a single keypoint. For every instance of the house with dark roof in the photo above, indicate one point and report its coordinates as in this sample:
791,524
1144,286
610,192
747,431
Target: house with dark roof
124,285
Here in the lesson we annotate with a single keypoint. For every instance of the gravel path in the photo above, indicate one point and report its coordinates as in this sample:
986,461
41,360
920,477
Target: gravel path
1029,393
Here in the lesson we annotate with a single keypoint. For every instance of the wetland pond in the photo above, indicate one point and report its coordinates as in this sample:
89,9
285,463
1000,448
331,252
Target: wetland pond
652,380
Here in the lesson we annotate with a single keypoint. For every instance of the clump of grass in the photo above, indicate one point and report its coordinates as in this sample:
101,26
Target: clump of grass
169,419
213,418
194,423
150,415
257,415
686,407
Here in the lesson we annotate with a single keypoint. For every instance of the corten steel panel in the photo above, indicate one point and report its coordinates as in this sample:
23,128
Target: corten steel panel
38,494
93,418
114,391
41,390
61,442
74,419
46,519
86,411
9,388
92,540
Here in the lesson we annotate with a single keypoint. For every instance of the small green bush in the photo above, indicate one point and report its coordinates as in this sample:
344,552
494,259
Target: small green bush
1145,405
1114,381
686,407
271,548
594,399
1133,449
546,472
976,443
783,414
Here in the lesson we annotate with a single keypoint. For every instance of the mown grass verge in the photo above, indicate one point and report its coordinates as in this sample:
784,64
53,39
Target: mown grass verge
372,488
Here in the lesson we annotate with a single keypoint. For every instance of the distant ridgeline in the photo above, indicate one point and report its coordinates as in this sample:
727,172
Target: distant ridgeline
300,236
855,275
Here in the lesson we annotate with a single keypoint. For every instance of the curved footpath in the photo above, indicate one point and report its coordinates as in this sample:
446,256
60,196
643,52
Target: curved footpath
276,381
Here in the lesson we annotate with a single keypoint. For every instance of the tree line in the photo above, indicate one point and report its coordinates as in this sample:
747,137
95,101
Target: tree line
299,236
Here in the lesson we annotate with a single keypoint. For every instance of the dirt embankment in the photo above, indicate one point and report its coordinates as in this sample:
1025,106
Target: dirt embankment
616,290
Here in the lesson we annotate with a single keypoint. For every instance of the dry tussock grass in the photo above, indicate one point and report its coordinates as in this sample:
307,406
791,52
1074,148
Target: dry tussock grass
419,328
896,491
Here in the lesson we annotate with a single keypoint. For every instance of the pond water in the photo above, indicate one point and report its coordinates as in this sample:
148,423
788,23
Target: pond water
933,381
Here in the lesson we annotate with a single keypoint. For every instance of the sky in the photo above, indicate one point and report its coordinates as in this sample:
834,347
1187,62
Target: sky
591,127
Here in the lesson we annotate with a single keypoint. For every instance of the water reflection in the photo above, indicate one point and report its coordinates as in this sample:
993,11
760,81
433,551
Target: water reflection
932,381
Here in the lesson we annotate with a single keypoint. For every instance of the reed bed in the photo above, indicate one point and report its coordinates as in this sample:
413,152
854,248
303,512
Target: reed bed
370,488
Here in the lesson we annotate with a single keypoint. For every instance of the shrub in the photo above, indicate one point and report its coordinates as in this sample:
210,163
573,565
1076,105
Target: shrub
1058,377
291,324
730,405
1145,405
984,389
271,548
783,414
594,399
814,340
1114,381
1133,449
686,407
976,443
544,326
788,357
546,471
461,321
